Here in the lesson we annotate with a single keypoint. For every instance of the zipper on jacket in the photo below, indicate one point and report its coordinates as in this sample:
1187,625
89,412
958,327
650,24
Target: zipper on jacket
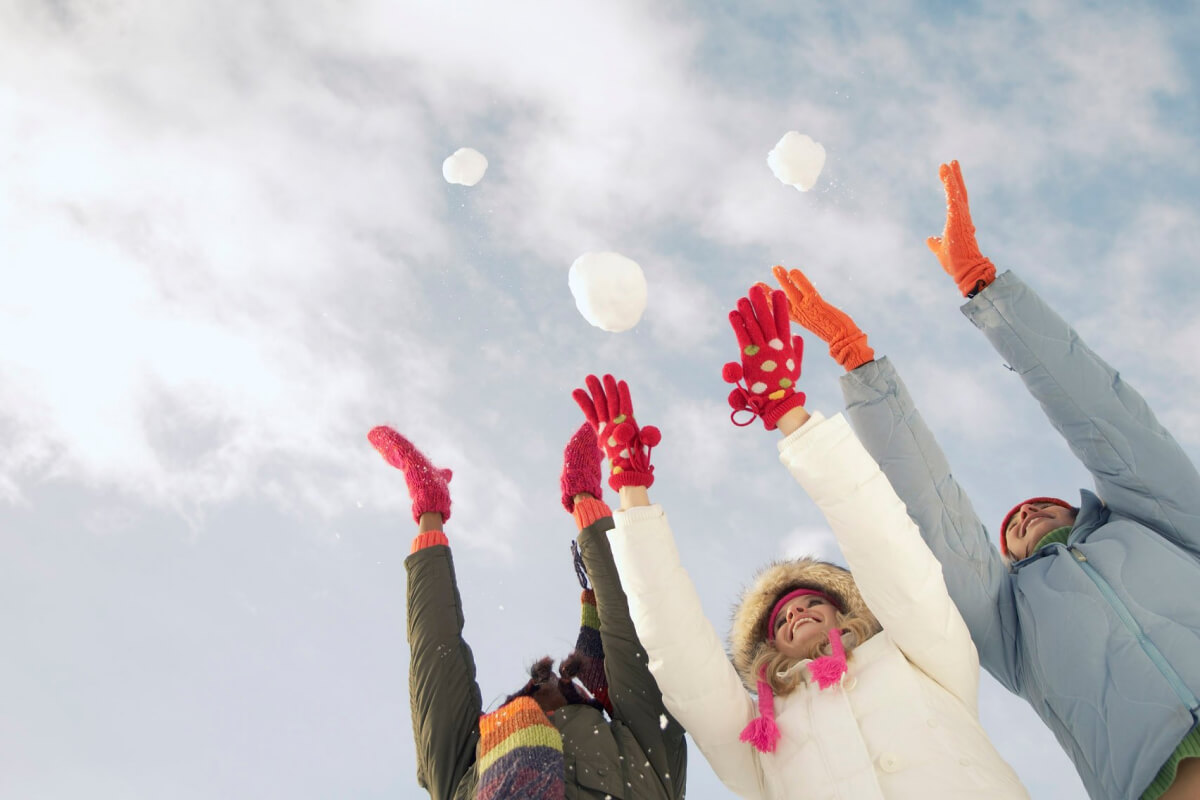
1148,647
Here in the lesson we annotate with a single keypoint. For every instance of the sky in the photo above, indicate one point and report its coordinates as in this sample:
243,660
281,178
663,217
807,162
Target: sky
227,251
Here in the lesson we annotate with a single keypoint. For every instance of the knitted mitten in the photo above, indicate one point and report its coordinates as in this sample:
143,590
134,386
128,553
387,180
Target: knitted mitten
520,754
428,486
770,359
581,466
609,410
847,343
956,248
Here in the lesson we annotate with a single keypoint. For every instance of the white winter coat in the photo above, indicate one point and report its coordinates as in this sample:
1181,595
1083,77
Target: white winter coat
904,721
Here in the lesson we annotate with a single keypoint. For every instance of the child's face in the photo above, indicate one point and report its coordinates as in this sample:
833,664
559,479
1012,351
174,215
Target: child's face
1033,521
801,623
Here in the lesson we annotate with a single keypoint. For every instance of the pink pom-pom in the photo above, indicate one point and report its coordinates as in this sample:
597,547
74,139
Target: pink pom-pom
651,436
828,670
762,733
732,372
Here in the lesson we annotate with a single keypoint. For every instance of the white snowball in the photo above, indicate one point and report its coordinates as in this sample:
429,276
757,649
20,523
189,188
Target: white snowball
466,167
797,160
609,290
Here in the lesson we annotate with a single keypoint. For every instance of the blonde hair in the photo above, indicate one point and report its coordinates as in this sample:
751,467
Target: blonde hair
855,630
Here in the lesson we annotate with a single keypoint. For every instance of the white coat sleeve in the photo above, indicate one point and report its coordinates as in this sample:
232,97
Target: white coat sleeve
894,569
699,685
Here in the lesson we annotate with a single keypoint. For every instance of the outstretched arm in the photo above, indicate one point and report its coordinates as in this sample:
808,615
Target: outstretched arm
698,684
1139,469
630,693
443,693
894,434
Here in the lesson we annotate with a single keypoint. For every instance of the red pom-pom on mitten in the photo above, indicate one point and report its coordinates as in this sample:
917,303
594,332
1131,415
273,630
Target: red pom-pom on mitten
428,486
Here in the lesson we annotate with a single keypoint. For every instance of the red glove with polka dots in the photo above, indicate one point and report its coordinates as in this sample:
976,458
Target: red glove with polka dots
770,359
610,411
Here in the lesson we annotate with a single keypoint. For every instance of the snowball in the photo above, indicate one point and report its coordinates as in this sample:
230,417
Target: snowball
466,167
609,290
797,160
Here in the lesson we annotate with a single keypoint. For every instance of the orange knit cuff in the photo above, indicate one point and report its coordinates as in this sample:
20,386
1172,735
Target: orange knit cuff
429,539
588,510
853,351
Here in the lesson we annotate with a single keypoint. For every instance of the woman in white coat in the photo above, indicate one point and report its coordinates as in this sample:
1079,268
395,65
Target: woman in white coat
866,685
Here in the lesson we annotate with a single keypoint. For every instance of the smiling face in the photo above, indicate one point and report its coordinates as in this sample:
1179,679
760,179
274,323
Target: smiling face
803,621
1031,522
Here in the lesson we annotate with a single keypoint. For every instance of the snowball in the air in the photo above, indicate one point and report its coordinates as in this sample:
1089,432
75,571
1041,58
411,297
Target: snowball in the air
466,166
797,160
609,290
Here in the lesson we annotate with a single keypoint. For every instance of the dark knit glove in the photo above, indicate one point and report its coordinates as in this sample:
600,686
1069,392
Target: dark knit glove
428,486
847,343
770,359
956,248
610,412
581,466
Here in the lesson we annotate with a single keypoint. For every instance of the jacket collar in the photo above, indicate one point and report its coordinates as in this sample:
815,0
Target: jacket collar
1092,514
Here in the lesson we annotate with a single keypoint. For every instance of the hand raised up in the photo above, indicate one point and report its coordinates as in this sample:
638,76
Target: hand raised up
770,358
847,343
956,248
609,409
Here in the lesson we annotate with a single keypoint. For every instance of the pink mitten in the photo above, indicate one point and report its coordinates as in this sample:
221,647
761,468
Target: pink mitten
610,411
428,486
581,466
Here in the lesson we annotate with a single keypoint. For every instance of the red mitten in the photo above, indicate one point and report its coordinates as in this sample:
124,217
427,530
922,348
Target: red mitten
770,359
610,412
581,467
428,486
956,249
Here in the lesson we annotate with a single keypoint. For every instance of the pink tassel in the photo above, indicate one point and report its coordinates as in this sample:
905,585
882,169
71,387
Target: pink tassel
762,732
828,670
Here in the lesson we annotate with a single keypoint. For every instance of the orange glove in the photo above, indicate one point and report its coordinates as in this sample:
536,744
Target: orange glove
956,248
847,343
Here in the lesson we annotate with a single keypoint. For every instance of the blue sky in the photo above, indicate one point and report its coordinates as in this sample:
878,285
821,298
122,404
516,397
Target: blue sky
227,252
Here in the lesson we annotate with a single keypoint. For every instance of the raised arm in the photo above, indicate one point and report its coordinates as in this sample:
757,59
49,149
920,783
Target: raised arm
892,431
443,693
628,689
893,568
1139,469
684,655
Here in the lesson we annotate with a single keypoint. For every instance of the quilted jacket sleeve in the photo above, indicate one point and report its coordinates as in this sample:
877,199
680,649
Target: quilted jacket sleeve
699,684
894,433
894,570
1139,469
441,680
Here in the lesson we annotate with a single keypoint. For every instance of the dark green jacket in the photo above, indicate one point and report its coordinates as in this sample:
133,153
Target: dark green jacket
631,757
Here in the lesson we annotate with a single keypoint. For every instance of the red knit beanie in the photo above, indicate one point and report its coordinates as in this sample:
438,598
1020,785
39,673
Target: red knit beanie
1017,507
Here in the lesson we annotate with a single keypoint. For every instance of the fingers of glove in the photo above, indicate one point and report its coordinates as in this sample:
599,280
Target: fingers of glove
760,301
754,334
612,396
779,305
934,243
798,349
960,186
625,404
738,322
599,401
446,474
586,405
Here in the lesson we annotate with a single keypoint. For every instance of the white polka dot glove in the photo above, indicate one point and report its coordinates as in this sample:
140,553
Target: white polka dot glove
770,359
610,411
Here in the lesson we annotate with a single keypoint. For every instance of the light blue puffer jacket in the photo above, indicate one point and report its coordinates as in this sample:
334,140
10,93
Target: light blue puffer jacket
1101,635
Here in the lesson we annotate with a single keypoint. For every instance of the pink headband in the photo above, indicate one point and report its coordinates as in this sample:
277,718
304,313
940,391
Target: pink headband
783,601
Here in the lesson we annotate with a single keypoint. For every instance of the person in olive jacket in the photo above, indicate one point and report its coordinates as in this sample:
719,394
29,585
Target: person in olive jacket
553,738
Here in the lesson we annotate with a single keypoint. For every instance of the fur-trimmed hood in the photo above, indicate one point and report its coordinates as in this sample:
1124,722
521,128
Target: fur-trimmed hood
749,631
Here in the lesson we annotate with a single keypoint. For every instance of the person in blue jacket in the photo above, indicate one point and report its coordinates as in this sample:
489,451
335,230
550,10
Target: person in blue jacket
1090,612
